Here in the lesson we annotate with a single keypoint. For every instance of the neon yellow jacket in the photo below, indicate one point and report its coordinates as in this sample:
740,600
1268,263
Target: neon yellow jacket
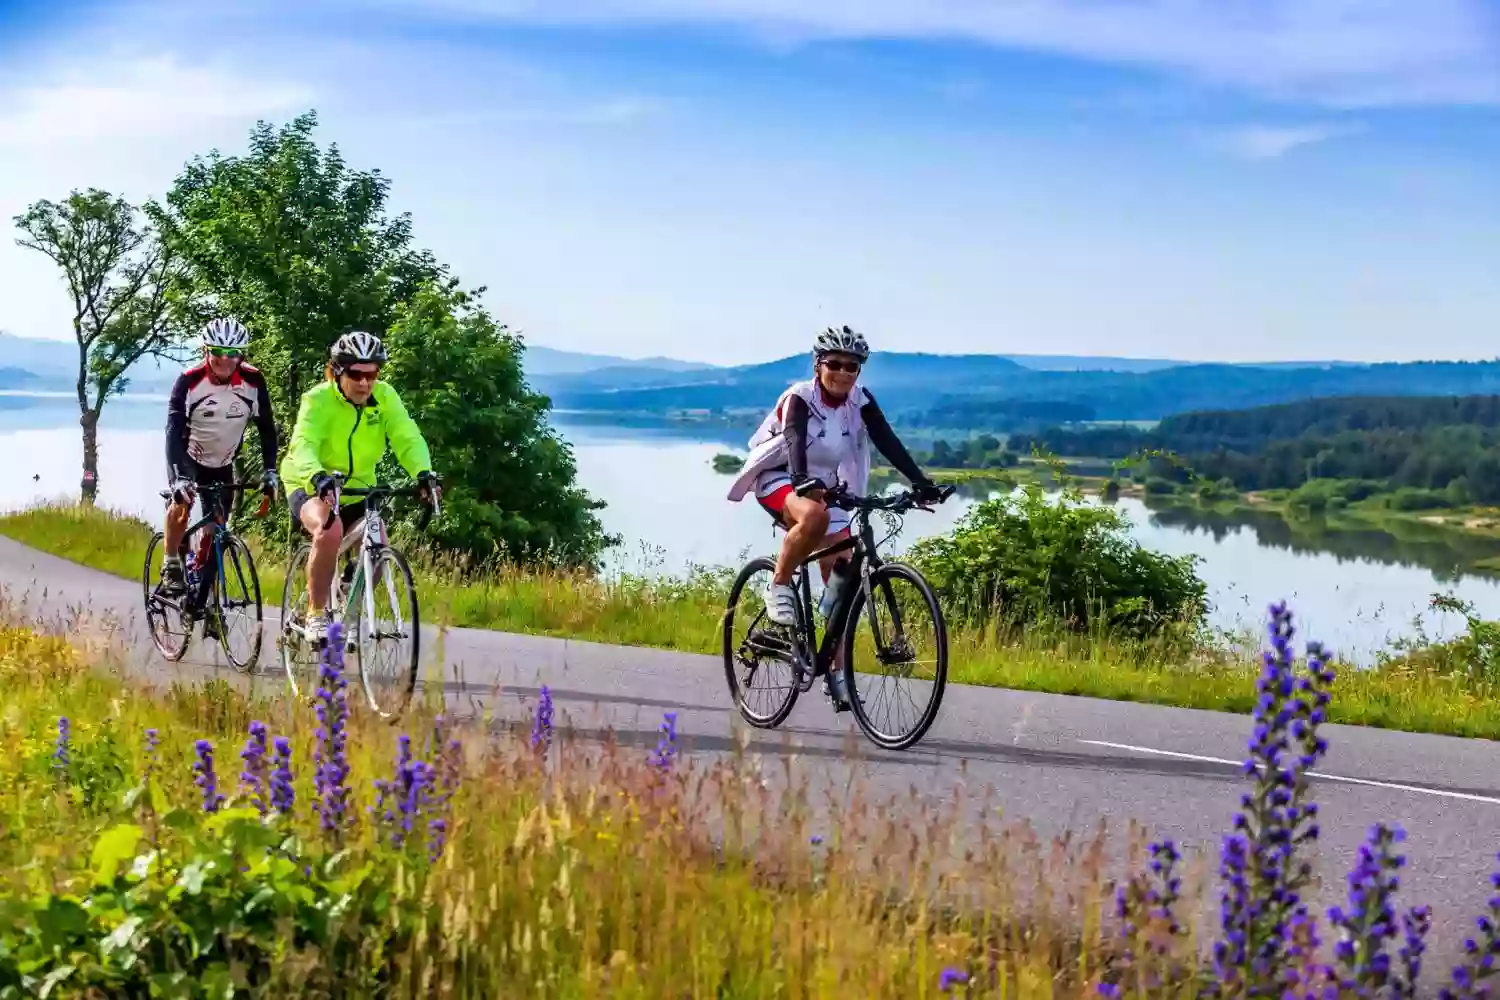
333,435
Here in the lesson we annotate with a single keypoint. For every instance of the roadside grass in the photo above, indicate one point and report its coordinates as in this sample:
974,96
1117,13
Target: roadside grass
563,868
685,614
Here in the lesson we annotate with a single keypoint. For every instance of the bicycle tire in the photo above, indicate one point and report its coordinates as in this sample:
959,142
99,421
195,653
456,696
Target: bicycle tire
390,555
777,717
148,586
287,640
235,545
940,679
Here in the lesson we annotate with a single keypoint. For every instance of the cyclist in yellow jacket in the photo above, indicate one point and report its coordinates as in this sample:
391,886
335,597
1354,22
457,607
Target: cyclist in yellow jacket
343,425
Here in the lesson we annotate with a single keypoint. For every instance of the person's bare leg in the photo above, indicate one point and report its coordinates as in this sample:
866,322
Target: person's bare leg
176,524
324,555
807,524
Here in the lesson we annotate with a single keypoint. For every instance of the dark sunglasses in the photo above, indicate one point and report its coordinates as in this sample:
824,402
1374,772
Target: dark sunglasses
852,367
362,376
226,352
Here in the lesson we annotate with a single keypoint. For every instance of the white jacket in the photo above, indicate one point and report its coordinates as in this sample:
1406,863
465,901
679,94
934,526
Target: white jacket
768,448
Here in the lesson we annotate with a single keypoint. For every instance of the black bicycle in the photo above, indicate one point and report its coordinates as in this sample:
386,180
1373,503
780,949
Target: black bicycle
223,590
368,569
892,596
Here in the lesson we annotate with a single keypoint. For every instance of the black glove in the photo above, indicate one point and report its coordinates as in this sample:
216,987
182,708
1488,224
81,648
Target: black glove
926,491
803,485
269,481
430,483
323,484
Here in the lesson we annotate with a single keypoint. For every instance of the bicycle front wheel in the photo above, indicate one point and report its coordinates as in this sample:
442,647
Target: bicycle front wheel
237,595
903,650
299,659
387,646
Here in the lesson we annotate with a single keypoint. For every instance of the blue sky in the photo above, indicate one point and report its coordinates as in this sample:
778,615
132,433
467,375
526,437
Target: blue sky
717,179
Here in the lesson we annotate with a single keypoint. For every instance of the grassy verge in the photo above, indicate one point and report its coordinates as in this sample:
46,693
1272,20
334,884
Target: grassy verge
685,615
144,853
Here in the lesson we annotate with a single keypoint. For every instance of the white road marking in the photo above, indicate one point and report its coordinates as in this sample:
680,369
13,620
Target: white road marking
1418,789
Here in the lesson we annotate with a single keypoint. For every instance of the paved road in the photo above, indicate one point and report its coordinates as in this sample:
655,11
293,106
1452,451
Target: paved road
1060,761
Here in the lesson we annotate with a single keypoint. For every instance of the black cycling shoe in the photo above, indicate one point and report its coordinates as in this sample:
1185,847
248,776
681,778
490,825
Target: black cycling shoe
173,582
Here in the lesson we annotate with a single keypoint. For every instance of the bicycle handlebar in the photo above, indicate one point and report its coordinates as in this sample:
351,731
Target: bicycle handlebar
429,509
840,497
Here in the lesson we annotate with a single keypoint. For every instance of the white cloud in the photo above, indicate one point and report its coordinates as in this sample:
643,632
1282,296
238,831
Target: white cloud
1335,52
1271,142
138,99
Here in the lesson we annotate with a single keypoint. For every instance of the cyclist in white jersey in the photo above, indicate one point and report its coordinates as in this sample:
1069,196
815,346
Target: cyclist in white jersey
210,407
819,434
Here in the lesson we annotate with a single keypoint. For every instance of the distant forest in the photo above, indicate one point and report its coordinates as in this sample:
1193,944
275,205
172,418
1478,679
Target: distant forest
1441,443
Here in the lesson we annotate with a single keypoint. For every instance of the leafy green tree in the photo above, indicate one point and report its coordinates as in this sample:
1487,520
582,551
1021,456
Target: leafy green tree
295,244
298,246
512,494
117,273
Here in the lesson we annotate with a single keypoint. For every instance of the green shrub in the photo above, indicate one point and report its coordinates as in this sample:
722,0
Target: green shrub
1411,498
1021,560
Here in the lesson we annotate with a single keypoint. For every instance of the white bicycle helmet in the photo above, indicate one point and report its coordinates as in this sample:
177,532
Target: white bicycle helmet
841,340
225,332
355,347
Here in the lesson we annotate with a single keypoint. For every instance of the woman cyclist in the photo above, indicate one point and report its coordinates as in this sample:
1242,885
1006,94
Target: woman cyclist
343,425
820,434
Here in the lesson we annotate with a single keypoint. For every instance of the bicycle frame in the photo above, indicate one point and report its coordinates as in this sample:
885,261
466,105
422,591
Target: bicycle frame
864,561
216,520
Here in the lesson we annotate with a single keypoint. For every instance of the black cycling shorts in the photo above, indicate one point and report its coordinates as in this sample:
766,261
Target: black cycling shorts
350,513
203,475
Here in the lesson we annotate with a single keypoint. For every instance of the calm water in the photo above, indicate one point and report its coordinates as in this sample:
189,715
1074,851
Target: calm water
1355,590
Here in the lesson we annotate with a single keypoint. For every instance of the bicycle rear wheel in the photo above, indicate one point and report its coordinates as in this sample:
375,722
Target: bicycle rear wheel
908,641
765,648
237,597
299,659
170,636
387,670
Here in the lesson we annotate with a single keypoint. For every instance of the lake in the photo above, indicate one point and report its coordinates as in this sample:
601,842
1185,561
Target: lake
1354,590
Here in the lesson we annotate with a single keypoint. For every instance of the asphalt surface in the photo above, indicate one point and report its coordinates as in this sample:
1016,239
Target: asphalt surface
1061,762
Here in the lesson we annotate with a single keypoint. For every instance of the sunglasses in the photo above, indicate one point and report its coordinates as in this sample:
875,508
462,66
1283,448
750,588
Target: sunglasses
226,352
852,367
366,376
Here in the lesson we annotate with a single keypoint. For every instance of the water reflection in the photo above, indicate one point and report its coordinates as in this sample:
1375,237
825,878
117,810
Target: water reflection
1448,555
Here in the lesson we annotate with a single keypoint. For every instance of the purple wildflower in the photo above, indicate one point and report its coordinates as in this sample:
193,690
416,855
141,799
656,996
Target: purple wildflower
1480,953
206,780
950,978
253,777
666,744
541,727
1147,901
1262,875
333,716
1415,924
449,770
61,757
1369,922
282,794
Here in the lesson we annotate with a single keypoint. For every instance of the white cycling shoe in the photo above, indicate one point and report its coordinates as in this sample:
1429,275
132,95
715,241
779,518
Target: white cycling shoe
781,604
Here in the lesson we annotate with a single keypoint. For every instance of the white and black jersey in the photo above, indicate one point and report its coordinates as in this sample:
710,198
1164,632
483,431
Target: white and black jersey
206,420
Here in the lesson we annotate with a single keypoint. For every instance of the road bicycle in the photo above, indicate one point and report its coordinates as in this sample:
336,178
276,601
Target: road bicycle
869,590
222,586
367,567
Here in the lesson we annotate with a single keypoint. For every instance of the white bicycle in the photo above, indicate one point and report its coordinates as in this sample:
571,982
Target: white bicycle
368,571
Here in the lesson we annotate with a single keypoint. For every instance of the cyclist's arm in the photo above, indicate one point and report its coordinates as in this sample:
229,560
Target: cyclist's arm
884,439
177,428
301,462
265,421
406,440
794,432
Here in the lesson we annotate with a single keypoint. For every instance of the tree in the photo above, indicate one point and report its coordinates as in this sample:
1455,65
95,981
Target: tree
297,245
117,273
509,489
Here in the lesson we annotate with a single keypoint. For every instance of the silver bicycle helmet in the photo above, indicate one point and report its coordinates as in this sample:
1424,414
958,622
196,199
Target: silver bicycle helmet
225,332
841,340
356,347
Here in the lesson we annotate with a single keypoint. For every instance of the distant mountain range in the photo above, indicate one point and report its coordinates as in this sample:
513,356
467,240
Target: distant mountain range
976,391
